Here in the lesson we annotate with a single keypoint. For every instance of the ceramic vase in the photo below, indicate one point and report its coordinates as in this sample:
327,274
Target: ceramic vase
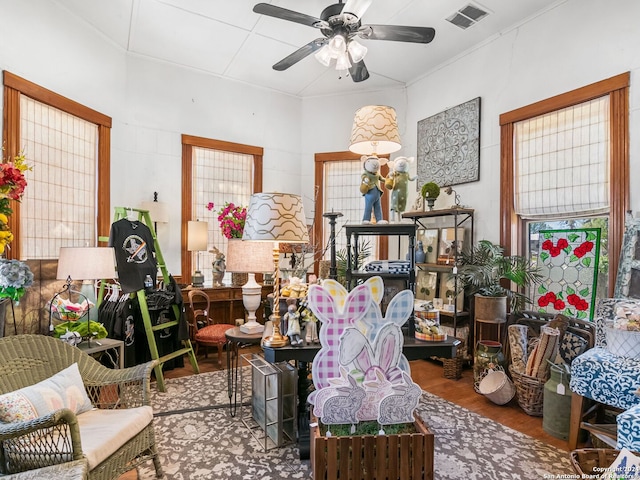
420,255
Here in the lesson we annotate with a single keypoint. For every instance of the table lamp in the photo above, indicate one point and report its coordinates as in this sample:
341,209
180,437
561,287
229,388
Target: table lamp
197,239
87,264
275,218
245,256
375,131
158,211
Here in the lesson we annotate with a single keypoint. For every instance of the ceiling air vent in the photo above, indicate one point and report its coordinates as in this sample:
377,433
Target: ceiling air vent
467,16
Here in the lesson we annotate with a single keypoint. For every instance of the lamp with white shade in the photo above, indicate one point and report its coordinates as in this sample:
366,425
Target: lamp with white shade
245,256
158,211
276,218
197,240
87,264
375,131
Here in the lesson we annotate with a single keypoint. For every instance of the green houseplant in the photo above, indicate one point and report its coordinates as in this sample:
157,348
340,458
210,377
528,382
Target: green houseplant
485,267
430,192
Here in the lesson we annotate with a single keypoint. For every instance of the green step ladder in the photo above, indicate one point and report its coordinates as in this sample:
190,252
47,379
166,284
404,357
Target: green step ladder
145,217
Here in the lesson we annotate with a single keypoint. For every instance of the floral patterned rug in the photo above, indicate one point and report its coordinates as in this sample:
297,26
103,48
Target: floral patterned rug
198,439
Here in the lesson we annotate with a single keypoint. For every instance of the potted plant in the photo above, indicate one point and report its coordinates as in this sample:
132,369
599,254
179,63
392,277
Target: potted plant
430,191
484,268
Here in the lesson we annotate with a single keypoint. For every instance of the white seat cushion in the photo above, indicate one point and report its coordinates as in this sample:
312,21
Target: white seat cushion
104,431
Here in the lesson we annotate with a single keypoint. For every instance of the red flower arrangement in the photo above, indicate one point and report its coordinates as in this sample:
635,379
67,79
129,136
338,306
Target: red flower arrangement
231,218
12,185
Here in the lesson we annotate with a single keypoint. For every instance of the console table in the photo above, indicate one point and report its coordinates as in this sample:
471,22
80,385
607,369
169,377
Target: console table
226,302
413,350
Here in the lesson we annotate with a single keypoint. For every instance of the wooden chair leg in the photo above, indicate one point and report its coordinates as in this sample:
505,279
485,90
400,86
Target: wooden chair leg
577,407
220,354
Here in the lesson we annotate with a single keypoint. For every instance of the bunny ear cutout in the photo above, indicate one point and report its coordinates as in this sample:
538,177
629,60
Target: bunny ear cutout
321,303
388,347
357,303
376,286
400,308
336,290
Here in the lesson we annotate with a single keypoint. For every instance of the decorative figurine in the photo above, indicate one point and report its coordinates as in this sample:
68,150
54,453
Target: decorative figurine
311,326
398,182
219,266
292,317
370,189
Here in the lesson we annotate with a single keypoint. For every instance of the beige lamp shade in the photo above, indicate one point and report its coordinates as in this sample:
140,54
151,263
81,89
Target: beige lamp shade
197,236
276,217
86,263
158,211
245,256
375,131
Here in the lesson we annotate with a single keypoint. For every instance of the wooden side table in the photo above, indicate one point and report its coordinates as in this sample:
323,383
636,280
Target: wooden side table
105,346
235,338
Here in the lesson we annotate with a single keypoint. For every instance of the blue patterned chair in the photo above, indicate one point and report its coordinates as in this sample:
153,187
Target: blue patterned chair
606,378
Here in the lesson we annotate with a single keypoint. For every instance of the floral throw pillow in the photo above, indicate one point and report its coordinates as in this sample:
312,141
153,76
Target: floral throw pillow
63,390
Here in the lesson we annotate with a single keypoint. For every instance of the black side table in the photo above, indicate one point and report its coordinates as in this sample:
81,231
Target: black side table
235,338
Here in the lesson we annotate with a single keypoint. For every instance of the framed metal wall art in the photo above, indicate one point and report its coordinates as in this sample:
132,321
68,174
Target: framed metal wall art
449,146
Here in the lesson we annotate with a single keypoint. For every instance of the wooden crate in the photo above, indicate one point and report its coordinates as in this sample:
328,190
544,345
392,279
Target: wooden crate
407,456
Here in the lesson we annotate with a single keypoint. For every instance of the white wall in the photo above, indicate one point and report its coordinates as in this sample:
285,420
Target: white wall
571,45
151,104
576,43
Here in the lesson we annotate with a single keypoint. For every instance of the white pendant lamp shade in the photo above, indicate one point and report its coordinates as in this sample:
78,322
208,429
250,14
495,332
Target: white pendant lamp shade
375,131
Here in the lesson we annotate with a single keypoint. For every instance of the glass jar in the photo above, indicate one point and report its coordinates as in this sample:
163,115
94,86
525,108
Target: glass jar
488,355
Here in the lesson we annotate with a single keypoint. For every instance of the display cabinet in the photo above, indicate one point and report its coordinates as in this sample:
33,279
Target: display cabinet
450,228
353,234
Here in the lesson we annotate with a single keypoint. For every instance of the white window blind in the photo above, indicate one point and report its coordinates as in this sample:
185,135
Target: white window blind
562,162
218,177
58,208
341,194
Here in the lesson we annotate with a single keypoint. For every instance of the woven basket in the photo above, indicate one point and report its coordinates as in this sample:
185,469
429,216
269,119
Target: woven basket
529,392
585,460
624,343
452,367
497,387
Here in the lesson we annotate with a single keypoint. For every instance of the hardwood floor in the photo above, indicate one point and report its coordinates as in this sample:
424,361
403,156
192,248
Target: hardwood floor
428,374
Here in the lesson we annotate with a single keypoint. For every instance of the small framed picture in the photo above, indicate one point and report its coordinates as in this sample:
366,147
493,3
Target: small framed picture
450,245
447,292
391,289
426,284
429,239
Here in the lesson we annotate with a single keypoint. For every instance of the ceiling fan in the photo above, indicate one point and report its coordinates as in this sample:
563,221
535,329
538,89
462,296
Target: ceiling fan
340,24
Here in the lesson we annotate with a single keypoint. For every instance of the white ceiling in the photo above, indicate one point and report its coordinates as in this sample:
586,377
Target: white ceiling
227,39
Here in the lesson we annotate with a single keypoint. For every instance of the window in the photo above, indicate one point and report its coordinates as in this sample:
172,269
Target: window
214,172
564,162
337,176
66,202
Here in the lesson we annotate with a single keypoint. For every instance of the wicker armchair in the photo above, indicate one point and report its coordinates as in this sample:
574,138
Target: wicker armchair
60,436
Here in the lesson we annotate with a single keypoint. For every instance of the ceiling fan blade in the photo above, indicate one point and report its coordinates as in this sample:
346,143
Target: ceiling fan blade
299,54
398,33
286,14
356,7
359,72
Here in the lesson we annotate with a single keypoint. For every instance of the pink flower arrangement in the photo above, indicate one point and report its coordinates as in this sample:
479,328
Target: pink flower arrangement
231,218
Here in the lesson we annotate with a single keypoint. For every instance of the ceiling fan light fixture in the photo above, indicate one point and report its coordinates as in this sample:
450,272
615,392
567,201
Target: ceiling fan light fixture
342,62
324,55
356,50
338,45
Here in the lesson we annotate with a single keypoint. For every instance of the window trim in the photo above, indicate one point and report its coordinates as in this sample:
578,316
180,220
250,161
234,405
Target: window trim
188,143
617,87
14,86
321,159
